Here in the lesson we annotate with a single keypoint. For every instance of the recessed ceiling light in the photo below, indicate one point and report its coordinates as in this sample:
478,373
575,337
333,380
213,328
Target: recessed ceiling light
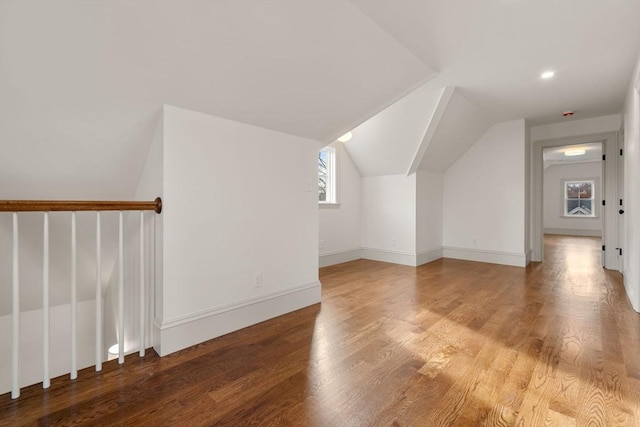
547,74
347,136
575,152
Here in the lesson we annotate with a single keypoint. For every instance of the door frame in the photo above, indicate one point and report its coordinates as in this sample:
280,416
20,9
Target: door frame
609,192
620,201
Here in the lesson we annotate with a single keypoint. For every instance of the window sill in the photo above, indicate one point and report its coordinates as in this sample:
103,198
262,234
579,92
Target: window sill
581,217
328,205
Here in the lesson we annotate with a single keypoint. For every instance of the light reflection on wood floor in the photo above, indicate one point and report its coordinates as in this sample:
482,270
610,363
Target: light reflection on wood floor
451,343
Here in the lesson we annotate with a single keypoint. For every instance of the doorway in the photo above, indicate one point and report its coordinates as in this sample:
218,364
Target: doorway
572,190
608,210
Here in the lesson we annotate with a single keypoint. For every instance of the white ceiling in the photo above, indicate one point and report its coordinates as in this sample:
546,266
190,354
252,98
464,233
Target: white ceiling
387,143
461,126
493,52
81,83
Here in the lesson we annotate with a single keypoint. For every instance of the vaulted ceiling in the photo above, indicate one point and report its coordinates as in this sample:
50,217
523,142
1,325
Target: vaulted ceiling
493,53
81,83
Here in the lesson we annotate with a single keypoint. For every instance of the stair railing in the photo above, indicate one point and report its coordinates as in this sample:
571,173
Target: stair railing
47,206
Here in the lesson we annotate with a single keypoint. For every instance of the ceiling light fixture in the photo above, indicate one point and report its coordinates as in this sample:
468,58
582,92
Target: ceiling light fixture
575,152
547,74
347,136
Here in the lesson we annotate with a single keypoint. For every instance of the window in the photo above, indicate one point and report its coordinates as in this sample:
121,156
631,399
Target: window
327,175
579,198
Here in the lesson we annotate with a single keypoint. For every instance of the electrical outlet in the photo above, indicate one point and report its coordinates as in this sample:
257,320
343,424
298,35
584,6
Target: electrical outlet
475,242
257,280
394,243
321,244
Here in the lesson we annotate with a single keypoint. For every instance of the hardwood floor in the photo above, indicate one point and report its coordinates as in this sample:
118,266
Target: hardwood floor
450,343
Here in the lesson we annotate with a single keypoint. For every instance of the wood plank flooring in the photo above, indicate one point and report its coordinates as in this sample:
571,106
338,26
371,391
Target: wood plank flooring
450,343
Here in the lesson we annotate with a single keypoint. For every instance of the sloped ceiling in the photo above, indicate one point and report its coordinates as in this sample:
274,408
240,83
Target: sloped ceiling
460,127
82,82
495,52
387,143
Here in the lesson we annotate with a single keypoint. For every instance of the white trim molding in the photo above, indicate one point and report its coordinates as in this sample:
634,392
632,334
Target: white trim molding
339,257
386,255
383,255
430,255
424,257
401,257
185,331
493,257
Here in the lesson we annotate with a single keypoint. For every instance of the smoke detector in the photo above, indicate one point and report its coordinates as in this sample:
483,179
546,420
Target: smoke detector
568,113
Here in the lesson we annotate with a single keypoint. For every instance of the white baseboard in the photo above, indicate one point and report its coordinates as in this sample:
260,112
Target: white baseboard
424,257
429,255
177,334
492,257
338,257
634,298
570,232
385,255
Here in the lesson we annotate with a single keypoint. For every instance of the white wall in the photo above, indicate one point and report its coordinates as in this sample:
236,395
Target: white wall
428,216
565,129
632,190
484,198
389,218
554,221
340,223
240,227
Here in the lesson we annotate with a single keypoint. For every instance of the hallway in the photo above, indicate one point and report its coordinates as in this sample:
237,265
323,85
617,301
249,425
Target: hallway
448,343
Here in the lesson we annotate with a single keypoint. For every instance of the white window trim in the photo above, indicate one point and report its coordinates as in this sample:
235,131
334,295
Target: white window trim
595,182
333,181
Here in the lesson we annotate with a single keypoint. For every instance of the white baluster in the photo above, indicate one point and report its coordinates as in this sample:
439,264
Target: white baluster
46,381
74,300
98,294
142,299
15,344
121,292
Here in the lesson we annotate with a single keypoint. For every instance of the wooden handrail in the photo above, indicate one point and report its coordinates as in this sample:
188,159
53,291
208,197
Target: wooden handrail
76,205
